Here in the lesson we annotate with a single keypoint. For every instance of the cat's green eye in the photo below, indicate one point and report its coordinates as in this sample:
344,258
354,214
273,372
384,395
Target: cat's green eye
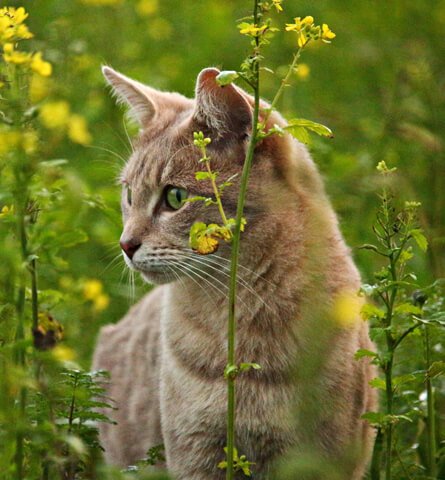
128,195
175,197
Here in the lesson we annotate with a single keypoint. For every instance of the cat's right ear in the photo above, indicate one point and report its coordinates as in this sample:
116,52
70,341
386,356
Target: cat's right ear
137,96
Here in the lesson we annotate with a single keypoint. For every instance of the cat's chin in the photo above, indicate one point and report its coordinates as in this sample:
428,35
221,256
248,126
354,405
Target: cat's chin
158,278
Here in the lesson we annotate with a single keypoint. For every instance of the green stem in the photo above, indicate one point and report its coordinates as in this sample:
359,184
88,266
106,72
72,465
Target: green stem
234,261
376,460
431,419
20,330
284,83
216,192
389,428
390,343
34,294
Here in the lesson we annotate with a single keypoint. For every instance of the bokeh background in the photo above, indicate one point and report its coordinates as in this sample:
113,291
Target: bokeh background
379,86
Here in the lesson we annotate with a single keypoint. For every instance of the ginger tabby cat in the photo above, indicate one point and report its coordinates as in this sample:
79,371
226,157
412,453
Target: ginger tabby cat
166,357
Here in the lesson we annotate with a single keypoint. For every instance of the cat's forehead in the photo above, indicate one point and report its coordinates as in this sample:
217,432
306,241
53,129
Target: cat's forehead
160,160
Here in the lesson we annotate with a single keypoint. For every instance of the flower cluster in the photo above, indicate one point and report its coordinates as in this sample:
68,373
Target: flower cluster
57,115
307,30
93,292
13,30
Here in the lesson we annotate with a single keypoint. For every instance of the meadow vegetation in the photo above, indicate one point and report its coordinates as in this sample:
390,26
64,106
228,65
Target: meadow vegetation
378,86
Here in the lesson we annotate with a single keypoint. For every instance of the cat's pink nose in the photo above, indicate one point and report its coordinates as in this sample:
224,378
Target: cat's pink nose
129,247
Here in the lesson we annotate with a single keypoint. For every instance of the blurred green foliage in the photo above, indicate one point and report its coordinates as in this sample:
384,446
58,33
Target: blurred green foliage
379,87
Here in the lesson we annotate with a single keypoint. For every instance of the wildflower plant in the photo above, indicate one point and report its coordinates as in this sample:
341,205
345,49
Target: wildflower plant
205,238
401,309
36,368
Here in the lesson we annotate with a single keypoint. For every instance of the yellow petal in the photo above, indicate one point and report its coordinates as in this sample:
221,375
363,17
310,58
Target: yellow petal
206,245
78,130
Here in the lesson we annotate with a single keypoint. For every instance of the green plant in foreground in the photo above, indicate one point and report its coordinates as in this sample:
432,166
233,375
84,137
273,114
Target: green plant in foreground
401,311
46,404
204,238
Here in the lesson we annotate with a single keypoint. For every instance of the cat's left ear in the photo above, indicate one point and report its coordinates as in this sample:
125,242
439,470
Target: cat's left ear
224,110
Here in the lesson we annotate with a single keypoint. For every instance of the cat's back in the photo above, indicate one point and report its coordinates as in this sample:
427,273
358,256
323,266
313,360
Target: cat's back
129,351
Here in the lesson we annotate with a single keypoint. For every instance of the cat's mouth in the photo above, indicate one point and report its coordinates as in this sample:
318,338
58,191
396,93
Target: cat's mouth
151,272
169,267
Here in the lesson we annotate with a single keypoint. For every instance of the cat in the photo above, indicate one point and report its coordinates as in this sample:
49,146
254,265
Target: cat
166,357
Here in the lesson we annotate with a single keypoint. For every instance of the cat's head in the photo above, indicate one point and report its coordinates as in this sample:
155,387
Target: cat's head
160,175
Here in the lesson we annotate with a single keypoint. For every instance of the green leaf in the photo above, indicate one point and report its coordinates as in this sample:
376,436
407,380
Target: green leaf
408,308
299,133
244,367
402,379
231,371
71,238
195,230
362,352
436,369
378,383
197,198
375,419
205,175
53,163
226,77
369,311
317,128
419,238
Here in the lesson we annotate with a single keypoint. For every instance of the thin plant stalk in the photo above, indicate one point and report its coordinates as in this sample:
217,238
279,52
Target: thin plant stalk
231,344
431,418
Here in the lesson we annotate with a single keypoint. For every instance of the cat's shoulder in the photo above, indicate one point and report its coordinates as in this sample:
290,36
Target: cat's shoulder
139,325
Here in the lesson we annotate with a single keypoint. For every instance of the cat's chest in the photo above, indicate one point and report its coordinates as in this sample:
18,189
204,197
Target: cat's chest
196,339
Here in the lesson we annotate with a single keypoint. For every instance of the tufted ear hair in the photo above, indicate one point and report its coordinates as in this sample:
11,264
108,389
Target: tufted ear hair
137,96
223,110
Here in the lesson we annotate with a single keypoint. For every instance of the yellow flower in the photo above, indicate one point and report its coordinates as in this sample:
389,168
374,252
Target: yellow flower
277,5
206,245
8,47
145,8
303,71
11,24
40,66
30,142
22,33
39,88
17,15
13,56
346,309
9,140
251,30
326,33
63,353
6,211
55,114
92,289
302,39
78,130
300,24
101,302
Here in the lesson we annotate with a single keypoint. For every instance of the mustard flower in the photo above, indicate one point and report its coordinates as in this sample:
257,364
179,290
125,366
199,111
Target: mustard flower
326,33
78,130
251,30
40,66
277,5
11,55
55,114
